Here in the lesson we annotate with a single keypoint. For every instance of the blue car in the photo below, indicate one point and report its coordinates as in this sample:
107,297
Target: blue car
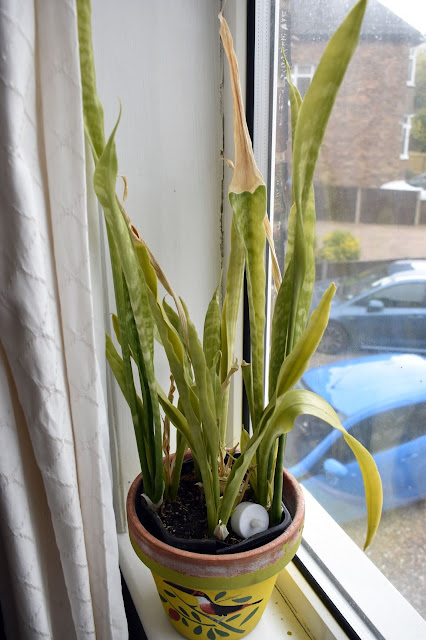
384,309
381,400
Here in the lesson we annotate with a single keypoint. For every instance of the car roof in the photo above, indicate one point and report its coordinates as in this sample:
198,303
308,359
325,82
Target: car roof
403,276
352,386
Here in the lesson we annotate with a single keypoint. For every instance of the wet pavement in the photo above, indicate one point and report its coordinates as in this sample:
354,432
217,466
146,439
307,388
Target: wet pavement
399,550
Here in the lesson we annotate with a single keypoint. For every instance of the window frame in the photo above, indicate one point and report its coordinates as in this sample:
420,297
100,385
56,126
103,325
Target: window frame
406,128
412,55
297,75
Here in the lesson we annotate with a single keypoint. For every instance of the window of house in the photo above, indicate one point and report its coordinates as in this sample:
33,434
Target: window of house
411,77
302,75
406,128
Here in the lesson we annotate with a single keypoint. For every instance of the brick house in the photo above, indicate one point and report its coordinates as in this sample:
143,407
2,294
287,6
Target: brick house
366,143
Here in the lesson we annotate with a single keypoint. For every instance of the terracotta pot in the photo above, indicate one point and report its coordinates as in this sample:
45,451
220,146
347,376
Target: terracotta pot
215,596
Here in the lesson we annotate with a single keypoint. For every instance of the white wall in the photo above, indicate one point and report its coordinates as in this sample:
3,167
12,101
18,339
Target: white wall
163,61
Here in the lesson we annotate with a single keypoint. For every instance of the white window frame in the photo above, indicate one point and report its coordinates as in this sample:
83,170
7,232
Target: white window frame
411,79
406,128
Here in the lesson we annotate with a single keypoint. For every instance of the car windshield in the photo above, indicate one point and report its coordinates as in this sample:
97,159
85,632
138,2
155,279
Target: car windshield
418,181
353,286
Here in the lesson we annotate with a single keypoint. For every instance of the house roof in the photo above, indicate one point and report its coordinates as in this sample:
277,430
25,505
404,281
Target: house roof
319,19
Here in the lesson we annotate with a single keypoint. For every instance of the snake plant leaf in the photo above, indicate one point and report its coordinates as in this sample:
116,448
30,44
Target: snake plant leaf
206,396
134,402
217,390
211,335
247,194
246,370
181,448
116,363
279,328
93,111
247,176
231,305
104,182
295,97
301,401
175,416
249,212
289,406
230,310
182,348
116,328
319,99
295,365
138,241
189,402
276,273
147,268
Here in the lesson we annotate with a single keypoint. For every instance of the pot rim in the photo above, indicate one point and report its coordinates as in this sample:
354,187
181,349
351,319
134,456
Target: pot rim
188,562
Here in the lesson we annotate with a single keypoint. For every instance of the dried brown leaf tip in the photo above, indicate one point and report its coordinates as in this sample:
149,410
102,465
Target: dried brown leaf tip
247,176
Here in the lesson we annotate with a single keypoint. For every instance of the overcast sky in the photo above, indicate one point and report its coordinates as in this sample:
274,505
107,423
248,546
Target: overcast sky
412,11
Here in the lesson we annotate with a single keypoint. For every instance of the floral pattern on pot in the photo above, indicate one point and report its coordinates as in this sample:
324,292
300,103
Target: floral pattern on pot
214,614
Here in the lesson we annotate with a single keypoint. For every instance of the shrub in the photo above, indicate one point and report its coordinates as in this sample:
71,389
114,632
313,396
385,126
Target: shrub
339,246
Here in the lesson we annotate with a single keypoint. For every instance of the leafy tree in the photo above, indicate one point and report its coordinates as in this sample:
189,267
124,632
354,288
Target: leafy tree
418,132
418,128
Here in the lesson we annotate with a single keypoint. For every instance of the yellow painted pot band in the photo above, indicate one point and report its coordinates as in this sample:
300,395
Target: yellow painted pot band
234,582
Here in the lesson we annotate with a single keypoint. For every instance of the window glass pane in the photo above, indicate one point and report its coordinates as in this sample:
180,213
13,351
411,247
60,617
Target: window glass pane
370,194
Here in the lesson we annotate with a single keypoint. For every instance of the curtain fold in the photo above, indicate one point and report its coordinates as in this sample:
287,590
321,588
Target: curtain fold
57,525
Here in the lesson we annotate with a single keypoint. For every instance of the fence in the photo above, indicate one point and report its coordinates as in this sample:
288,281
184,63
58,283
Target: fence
374,206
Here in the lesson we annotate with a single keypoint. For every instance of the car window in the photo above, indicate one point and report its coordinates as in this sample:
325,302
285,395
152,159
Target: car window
307,433
359,283
382,431
399,296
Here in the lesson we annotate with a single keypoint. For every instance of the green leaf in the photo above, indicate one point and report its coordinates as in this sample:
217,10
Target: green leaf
297,362
92,107
122,252
185,622
312,119
250,615
245,599
249,211
196,616
230,310
198,630
117,366
210,634
175,416
222,634
300,401
211,336
170,593
233,617
219,595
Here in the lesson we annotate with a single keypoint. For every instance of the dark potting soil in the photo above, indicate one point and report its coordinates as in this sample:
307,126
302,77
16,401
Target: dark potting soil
186,516
182,523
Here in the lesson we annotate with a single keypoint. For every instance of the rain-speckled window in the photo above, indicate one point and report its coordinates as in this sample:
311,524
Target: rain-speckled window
370,194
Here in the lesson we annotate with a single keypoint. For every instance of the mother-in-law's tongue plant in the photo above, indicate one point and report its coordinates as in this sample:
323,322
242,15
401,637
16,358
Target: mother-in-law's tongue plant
202,371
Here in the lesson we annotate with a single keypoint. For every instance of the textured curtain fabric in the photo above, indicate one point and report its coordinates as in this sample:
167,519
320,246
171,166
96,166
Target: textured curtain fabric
59,574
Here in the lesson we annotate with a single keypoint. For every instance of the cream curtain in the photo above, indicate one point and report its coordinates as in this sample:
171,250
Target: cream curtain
59,575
